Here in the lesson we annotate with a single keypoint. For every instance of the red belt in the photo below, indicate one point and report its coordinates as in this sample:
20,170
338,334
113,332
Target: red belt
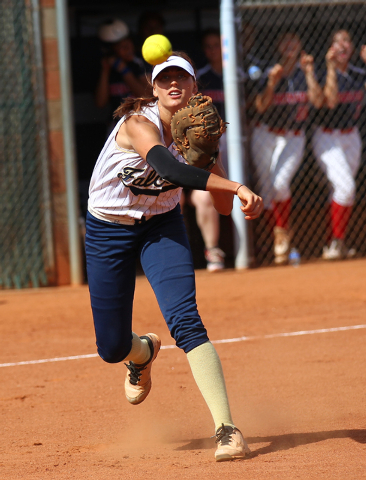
282,131
341,130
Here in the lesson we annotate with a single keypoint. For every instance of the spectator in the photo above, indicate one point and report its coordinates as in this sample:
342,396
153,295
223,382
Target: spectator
253,70
278,142
210,83
250,54
122,74
149,23
337,142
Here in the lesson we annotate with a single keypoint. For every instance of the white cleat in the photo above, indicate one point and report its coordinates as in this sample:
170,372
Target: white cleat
215,259
231,444
138,378
337,250
281,245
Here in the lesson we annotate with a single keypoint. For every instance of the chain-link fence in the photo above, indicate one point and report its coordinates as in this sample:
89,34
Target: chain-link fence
305,74
26,257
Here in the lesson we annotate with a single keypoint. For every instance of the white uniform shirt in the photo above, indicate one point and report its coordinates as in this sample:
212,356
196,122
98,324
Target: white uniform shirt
124,185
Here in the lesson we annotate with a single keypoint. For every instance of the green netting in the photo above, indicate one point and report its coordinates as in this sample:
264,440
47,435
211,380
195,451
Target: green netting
23,192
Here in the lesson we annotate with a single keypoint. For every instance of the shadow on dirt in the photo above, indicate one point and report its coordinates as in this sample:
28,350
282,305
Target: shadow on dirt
283,442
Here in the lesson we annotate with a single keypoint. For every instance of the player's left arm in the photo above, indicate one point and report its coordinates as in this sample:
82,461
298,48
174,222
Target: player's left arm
222,201
331,83
315,92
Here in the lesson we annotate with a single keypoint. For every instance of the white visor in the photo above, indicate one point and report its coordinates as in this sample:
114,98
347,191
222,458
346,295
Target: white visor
173,61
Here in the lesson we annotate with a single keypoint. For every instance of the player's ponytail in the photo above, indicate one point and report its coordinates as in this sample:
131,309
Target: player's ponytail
133,105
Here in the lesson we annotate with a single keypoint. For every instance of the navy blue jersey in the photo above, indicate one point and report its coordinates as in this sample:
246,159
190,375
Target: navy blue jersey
351,89
290,106
211,83
118,90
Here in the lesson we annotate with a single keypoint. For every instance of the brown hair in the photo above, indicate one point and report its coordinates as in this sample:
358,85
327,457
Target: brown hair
134,105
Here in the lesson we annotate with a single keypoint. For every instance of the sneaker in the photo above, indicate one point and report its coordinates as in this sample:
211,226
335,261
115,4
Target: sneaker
215,259
138,378
231,444
281,245
337,250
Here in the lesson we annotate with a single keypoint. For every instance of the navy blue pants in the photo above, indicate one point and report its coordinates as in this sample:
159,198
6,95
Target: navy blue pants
112,251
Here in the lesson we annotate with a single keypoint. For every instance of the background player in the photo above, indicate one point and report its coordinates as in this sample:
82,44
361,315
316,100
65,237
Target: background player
134,212
210,83
278,141
337,143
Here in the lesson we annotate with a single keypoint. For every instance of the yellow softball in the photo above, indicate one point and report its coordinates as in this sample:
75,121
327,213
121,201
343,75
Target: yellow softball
156,49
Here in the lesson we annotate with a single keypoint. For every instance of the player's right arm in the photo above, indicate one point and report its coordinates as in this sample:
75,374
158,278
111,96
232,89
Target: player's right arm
315,92
331,83
263,100
141,135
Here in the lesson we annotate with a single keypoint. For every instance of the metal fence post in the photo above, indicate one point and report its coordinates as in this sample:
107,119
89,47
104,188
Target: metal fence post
236,156
69,143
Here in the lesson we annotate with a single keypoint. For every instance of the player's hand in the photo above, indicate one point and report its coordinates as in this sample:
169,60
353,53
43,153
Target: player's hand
330,57
275,75
306,62
363,53
252,204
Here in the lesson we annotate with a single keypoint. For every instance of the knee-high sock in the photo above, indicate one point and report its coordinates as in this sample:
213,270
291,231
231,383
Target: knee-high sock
281,212
140,351
207,372
340,217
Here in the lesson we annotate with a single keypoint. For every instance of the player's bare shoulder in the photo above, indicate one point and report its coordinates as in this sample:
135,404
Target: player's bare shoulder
135,128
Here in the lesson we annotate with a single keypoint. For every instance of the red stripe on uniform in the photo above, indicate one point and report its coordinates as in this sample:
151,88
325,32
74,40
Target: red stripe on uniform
289,98
216,95
350,97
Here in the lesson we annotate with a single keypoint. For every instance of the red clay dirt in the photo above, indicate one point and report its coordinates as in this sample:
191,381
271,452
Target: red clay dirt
299,399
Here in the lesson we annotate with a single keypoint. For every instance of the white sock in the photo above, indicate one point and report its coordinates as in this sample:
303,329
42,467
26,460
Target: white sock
140,352
207,372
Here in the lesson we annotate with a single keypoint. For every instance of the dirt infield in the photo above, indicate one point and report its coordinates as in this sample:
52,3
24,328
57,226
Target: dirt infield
299,399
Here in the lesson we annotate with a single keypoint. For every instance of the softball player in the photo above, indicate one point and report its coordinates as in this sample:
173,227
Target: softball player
337,143
278,141
208,220
134,213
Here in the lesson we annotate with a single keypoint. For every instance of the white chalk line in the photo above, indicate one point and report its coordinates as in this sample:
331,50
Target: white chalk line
226,340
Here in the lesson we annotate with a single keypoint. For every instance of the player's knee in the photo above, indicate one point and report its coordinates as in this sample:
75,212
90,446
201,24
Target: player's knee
114,353
346,194
281,193
190,336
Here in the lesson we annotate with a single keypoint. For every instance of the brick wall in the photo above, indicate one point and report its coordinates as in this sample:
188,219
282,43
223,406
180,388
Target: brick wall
55,141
